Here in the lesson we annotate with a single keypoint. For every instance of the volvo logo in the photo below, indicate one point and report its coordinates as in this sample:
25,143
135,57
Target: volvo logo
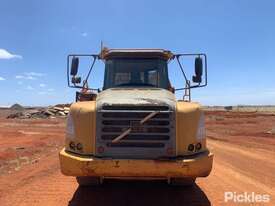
136,127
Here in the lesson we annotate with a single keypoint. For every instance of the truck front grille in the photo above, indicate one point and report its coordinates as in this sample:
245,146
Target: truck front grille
135,144
150,140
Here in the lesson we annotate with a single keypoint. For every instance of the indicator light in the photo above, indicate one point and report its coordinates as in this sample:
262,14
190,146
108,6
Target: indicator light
191,147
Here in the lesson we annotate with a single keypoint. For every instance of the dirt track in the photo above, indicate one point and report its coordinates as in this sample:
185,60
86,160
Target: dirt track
244,162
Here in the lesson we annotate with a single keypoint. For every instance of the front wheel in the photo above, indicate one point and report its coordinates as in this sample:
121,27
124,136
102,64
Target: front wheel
182,181
88,181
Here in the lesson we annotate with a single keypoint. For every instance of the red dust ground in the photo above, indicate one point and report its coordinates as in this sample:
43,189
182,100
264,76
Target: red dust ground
243,145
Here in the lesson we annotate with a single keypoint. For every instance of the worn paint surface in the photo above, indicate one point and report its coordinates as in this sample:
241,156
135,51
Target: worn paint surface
160,53
188,116
136,96
83,116
74,165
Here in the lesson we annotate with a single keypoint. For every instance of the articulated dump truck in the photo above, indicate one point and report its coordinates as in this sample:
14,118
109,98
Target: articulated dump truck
134,127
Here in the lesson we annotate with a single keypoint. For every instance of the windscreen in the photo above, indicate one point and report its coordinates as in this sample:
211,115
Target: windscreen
138,72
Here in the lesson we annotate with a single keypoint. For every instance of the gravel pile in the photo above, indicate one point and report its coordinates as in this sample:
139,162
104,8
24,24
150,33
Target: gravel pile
49,112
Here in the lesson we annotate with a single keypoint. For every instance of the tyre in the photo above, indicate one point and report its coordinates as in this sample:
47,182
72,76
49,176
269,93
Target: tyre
88,181
178,181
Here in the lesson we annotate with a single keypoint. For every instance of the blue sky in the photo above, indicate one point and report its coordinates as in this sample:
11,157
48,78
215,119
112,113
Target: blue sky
238,37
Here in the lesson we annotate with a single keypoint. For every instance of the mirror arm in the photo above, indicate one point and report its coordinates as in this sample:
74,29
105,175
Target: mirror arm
181,68
205,69
91,68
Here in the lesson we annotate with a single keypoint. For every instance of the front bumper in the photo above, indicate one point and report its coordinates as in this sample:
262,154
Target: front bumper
198,165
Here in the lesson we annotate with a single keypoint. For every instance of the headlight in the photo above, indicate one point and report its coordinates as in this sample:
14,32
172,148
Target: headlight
70,127
201,128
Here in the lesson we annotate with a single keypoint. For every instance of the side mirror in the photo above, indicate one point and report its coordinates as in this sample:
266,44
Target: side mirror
198,70
76,80
74,66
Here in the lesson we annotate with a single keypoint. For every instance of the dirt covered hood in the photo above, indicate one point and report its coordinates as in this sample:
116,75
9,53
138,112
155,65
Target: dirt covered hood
142,96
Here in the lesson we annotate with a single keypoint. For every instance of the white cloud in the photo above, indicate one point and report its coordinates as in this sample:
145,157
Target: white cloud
84,34
42,93
50,90
25,77
42,85
2,79
30,88
19,77
4,54
34,74
30,75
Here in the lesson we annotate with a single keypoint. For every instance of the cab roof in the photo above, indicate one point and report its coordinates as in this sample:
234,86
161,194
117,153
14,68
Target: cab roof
135,53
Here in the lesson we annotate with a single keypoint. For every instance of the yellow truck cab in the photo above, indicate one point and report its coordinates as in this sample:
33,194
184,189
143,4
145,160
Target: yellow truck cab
135,128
